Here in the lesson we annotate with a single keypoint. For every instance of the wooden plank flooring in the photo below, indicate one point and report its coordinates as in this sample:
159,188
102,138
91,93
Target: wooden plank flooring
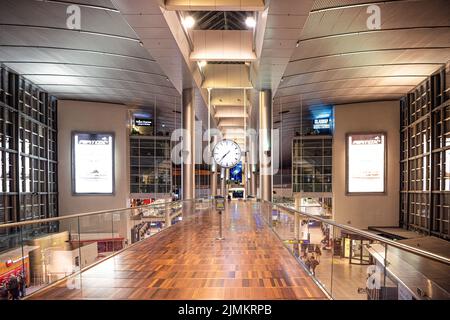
186,262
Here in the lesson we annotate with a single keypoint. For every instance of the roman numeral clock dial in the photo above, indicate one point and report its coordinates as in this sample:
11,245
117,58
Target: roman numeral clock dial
227,153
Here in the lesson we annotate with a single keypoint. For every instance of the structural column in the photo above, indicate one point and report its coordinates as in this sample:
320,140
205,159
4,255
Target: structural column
265,144
298,204
188,114
253,183
222,182
252,166
213,178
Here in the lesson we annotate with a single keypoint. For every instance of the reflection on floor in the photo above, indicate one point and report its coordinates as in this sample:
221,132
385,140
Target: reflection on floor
186,262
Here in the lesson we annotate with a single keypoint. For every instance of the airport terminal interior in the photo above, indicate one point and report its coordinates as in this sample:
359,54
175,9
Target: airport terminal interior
224,149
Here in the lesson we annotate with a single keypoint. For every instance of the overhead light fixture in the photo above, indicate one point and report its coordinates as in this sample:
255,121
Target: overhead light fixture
202,63
188,22
250,22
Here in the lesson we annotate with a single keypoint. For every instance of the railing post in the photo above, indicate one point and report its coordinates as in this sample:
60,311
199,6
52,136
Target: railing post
168,221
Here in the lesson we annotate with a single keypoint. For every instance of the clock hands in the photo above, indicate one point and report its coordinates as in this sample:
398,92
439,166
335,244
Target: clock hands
224,155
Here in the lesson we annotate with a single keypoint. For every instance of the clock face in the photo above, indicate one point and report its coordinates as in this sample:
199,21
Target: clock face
227,153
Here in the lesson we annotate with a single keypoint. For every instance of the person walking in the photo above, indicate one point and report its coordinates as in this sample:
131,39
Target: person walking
13,288
21,281
3,292
307,262
313,264
318,253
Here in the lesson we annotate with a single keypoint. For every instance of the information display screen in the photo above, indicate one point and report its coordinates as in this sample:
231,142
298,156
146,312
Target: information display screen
236,173
366,163
93,163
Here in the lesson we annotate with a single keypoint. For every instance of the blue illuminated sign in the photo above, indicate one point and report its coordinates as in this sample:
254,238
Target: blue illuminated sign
236,173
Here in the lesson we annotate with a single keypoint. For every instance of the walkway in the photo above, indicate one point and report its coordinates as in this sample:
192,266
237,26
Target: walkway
186,262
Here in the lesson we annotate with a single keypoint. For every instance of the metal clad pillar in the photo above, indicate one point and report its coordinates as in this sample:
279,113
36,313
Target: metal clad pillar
188,114
252,168
213,179
298,203
222,182
265,144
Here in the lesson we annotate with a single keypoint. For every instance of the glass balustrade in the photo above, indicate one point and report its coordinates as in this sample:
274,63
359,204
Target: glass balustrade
43,252
351,264
345,262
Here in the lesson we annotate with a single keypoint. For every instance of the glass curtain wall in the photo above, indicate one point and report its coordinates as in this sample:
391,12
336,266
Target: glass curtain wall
28,155
425,157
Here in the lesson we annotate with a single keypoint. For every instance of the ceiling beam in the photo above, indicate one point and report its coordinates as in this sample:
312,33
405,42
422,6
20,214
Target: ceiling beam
100,34
366,66
79,50
80,4
362,32
354,78
364,4
348,53
85,65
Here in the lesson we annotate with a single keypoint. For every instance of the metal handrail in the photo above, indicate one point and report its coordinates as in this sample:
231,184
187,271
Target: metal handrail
86,214
369,235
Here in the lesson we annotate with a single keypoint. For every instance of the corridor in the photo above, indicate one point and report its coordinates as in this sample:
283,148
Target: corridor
186,261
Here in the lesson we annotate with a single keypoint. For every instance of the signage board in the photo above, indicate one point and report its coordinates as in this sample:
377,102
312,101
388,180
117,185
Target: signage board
320,124
92,163
220,204
366,163
143,122
293,241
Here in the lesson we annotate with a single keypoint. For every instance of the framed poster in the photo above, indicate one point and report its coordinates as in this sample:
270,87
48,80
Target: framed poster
92,163
366,163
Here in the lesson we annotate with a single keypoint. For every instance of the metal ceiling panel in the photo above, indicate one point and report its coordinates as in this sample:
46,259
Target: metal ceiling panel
105,57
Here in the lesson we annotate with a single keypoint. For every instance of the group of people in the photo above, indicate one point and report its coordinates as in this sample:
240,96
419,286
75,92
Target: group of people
13,288
312,260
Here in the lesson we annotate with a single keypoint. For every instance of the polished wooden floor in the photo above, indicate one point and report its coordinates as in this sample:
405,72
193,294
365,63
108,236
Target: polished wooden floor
186,262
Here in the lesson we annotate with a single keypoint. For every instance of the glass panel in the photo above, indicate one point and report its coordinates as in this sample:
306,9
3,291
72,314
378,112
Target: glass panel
319,251
307,239
98,237
358,267
46,252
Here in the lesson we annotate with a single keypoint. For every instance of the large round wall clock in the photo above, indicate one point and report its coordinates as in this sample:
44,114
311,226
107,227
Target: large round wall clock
227,153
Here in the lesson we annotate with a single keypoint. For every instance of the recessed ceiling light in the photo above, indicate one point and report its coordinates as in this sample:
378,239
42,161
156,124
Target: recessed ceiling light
250,22
188,22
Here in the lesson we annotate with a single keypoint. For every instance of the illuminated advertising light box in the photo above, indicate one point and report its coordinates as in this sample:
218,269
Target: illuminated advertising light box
92,163
366,163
